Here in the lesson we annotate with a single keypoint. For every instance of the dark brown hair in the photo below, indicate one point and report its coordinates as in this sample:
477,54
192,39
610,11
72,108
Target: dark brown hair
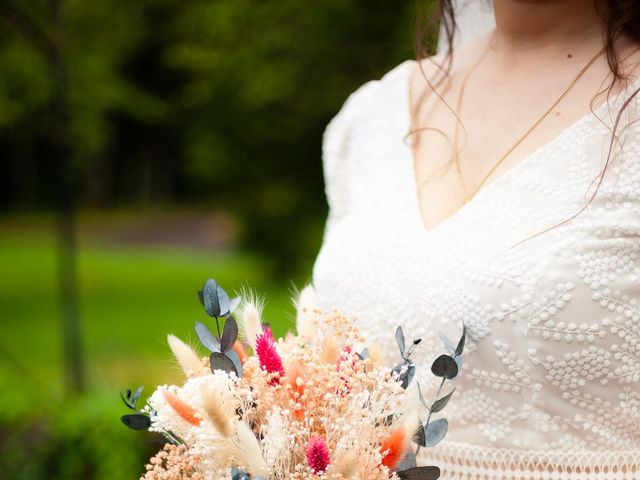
619,17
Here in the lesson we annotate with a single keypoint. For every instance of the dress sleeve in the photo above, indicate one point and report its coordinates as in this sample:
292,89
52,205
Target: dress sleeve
336,149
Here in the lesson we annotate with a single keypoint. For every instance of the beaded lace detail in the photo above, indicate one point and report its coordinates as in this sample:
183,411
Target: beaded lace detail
550,379
460,461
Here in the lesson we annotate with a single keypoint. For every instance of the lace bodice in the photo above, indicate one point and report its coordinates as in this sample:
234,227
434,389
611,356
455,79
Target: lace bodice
550,380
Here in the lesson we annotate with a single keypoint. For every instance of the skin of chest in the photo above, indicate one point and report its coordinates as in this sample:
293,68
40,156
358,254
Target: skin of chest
500,103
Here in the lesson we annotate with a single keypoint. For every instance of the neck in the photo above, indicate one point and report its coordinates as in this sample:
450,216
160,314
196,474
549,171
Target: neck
523,26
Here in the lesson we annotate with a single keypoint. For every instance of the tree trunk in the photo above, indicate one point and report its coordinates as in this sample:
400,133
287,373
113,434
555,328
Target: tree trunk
66,227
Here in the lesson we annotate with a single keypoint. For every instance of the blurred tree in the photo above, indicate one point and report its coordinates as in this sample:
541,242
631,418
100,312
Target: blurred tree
263,79
66,66
209,101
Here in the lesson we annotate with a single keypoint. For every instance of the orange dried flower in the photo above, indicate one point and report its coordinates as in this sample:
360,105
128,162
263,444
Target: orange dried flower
239,349
395,446
181,408
295,377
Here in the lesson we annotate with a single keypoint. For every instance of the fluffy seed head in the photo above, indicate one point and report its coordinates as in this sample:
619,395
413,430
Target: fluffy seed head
187,358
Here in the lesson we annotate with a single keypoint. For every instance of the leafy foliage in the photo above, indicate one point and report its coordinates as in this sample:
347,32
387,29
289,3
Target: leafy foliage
138,420
431,432
179,101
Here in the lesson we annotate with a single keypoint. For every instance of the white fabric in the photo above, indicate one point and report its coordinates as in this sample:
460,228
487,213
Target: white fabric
474,18
550,380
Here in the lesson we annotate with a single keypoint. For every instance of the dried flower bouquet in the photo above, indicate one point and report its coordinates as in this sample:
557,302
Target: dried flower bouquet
316,405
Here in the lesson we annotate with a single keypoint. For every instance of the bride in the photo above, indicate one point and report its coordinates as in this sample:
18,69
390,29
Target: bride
497,183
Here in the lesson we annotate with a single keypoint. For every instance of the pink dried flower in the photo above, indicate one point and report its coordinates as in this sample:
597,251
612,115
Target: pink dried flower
317,454
345,356
346,365
268,355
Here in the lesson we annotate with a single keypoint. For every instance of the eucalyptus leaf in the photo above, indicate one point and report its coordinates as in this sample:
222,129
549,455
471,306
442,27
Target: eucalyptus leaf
210,297
201,297
233,356
126,398
237,474
445,366
405,375
207,339
435,431
364,354
460,346
400,340
136,421
424,403
388,420
408,461
448,344
136,395
233,304
414,344
219,361
420,473
440,403
229,334
458,360
419,436
223,302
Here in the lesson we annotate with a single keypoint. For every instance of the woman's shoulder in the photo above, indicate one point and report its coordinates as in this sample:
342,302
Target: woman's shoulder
363,105
364,101
374,88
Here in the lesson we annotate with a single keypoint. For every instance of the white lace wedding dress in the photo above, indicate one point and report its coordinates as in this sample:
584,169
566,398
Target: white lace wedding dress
550,379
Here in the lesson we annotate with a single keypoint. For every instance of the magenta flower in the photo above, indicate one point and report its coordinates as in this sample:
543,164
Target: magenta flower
268,355
317,454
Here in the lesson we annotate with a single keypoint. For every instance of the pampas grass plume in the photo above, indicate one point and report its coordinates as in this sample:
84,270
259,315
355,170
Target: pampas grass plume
215,412
188,359
305,304
250,450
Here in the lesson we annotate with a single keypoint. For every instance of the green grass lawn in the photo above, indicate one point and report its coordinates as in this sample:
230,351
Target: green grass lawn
131,296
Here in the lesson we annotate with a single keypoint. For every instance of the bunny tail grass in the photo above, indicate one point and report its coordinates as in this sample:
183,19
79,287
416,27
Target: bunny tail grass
215,412
250,316
305,304
345,465
330,349
250,449
188,359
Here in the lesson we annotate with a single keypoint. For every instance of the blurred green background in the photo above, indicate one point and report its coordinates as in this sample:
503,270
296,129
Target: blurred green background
145,147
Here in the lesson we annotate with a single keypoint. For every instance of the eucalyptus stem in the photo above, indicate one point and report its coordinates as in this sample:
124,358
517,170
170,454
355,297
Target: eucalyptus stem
437,396
218,328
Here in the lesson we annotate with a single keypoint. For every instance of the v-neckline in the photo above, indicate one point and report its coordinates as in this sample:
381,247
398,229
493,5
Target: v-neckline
504,176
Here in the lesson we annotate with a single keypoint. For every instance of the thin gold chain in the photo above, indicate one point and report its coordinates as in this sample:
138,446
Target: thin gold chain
456,152
521,138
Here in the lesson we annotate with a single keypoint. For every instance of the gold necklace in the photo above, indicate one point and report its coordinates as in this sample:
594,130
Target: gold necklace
467,196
